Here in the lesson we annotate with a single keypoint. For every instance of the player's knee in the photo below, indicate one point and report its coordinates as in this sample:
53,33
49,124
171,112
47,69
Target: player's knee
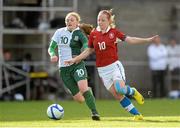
83,86
84,90
120,89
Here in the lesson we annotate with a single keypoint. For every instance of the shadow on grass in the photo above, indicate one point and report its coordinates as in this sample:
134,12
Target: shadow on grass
163,121
110,119
146,120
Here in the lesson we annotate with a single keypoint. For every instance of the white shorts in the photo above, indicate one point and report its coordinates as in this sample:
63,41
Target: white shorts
110,73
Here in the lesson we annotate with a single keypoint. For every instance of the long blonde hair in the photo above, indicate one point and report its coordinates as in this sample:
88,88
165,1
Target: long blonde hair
110,16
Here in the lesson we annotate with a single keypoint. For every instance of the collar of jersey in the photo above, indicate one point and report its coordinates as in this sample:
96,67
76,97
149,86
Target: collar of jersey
99,29
73,30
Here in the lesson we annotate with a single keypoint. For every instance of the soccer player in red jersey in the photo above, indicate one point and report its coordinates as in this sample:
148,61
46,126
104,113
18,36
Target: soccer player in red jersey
103,41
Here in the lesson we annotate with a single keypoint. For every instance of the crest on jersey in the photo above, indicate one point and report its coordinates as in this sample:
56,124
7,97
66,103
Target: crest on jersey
111,35
76,38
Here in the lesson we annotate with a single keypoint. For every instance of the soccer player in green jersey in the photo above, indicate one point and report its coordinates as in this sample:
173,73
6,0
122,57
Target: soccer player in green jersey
70,40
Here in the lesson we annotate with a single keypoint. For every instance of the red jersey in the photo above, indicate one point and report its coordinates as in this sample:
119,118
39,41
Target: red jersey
105,47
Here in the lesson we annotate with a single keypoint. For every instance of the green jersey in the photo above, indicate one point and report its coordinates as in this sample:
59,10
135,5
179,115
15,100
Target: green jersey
68,43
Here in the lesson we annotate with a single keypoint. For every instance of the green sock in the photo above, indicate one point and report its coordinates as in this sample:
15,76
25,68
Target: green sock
90,100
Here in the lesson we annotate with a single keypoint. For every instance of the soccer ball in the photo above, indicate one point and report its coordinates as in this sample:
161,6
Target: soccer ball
55,111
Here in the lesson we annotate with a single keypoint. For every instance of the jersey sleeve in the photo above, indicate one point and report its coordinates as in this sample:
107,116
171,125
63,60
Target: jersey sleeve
55,36
90,41
53,43
52,47
120,35
84,40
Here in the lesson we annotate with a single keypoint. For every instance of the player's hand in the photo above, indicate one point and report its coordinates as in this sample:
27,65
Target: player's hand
70,62
155,38
54,59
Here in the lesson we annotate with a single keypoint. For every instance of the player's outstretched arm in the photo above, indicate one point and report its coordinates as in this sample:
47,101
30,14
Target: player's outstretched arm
137,40
51,51
80,57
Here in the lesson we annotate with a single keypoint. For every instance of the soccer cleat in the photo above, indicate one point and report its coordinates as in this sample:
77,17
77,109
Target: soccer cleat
138,117
138,97
95,116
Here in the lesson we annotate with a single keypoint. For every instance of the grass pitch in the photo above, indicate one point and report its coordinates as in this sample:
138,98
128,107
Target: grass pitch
158,113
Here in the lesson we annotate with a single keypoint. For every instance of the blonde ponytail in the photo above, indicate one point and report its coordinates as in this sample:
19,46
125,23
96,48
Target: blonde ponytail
112,19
